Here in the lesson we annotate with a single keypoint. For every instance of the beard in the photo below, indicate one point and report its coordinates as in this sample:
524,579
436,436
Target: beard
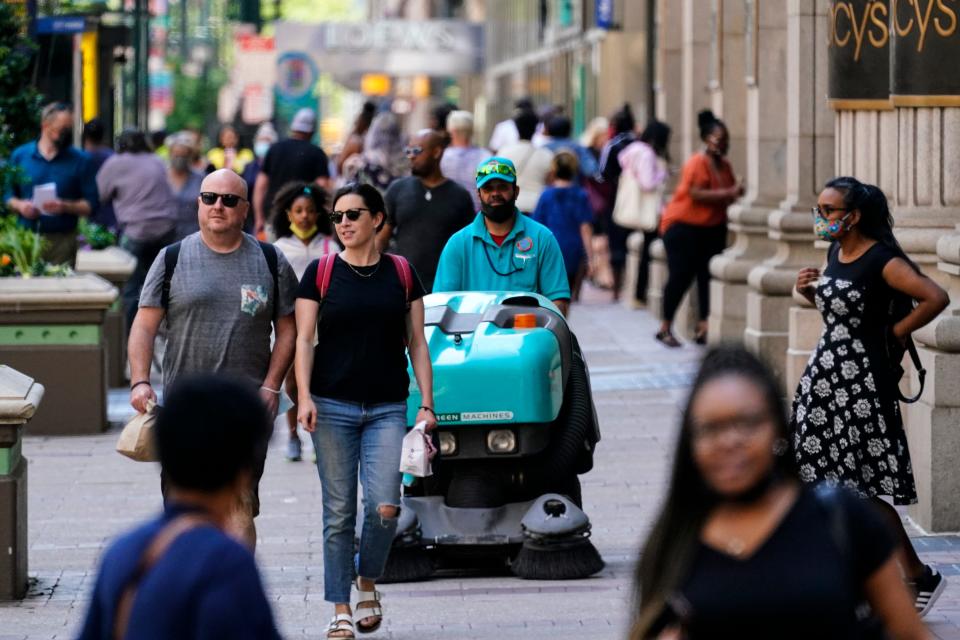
498,213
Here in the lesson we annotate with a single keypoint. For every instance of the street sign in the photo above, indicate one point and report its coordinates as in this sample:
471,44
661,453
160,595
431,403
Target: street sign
604,14
64,24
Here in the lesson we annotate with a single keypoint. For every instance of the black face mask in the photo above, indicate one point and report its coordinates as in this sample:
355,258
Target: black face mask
498,213
63,140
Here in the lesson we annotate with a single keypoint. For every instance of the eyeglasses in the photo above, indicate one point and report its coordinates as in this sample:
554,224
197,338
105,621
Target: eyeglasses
336,217
818,211
497,168
230,200
743,426
412,152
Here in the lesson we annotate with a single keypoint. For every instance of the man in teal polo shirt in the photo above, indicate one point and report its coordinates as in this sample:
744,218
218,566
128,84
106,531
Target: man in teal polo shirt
503,250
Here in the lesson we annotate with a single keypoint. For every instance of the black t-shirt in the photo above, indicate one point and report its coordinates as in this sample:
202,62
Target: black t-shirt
360,354
798,583
421,227
290,160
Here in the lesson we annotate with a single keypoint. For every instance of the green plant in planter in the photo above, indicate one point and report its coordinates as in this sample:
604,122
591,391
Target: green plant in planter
95,236
21,252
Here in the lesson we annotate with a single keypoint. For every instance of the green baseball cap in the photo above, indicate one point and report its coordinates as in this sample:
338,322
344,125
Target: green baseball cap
496,168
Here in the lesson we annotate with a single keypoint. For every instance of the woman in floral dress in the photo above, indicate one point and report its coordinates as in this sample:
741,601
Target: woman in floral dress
847,426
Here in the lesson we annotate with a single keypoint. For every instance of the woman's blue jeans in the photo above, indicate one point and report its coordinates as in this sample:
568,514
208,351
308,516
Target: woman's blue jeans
368,437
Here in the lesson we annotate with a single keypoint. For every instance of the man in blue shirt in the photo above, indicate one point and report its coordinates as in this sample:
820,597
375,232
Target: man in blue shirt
502,250
52,159
180,575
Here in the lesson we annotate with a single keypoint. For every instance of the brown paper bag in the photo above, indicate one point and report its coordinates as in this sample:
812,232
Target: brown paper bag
136,439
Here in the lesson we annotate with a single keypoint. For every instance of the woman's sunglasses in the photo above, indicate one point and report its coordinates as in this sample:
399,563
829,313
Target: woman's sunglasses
336,217
230,200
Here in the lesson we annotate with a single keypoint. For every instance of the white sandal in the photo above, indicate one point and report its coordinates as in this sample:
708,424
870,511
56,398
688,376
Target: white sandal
368,611
340,623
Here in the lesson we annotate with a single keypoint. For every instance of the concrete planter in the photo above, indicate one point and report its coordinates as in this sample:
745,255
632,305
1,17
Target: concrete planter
52,329
19,398
114,265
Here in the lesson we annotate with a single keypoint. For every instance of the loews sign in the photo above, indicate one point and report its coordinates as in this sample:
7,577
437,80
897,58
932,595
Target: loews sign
884,53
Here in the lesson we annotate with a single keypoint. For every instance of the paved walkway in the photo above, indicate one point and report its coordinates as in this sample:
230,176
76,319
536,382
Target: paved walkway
82,494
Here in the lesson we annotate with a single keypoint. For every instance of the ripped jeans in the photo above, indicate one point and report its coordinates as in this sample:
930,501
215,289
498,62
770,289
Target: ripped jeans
351,435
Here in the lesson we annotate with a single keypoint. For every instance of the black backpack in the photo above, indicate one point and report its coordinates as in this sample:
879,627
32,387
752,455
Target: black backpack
901,305
171,256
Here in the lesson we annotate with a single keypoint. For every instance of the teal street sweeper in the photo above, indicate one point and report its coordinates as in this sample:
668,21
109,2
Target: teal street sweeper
516,427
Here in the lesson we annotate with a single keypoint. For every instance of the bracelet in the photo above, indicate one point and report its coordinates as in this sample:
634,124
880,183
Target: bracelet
137,384
428,409
275,392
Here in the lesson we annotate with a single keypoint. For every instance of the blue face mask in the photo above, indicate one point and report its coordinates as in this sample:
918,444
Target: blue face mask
260,148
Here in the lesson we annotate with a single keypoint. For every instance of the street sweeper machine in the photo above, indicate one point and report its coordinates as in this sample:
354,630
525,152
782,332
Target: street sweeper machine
516,427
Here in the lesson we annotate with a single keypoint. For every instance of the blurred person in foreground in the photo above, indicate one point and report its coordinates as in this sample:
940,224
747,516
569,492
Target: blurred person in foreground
295,158
134,181
461,158
181,575
742,549
52,158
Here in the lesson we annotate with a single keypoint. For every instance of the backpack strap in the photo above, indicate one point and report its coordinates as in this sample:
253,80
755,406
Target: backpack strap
921,372
270,254
324,274
170,257
402,265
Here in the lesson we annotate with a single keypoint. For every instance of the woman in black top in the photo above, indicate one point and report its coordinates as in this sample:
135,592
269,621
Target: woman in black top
353,388
742,549
846,426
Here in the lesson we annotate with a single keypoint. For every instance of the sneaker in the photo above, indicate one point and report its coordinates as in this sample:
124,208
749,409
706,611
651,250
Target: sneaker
928,587
294,453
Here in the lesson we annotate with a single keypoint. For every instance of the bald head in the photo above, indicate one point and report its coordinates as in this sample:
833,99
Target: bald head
225,181
429,139
426,164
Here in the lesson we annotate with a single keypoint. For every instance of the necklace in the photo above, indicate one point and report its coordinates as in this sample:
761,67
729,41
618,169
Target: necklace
427,194
363,275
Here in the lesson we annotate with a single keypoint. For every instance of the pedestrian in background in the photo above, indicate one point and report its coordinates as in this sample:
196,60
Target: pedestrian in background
181,575
505,131
51,159
223,296
438,120
622,124
694,225
532,163
303,231
461,157
565,209
742,548
295,158
425,209
228,154
353,386
93,143
134,181
647,162
558,130
594,139
263,139
847,426
184,181
353,146
383,159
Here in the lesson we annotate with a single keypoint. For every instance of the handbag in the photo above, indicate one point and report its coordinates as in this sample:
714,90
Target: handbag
635,208
136,439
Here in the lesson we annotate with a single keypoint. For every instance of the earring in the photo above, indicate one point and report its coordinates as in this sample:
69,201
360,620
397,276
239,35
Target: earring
780,447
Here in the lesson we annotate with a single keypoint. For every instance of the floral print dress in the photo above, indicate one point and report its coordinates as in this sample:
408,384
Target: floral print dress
846,423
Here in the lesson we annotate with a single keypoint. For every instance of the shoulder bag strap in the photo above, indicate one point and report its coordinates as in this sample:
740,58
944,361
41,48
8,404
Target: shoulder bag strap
921,372
405,274
270,254
170,257
154,551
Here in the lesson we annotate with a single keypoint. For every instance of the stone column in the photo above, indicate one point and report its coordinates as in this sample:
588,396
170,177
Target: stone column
764,52
809,162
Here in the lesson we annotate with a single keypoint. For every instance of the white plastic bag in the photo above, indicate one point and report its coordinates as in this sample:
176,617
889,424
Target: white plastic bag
417,450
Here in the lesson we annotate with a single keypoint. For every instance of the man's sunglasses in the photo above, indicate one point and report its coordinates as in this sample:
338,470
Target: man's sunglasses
496,168
412,152
336,217
230,200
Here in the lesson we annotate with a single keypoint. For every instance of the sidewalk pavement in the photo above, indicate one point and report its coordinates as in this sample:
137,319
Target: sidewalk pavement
82,494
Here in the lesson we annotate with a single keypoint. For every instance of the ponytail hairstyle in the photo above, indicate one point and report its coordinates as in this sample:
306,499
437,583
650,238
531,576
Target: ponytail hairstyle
623,120
657,135
675,537
707,122
876,222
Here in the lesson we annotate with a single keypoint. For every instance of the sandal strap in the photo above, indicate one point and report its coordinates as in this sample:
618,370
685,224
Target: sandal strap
363,596
367,612
337,622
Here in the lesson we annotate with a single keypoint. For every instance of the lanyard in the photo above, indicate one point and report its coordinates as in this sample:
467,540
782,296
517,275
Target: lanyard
513,262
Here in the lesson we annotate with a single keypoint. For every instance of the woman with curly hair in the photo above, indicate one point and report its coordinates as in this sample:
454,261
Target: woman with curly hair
303,235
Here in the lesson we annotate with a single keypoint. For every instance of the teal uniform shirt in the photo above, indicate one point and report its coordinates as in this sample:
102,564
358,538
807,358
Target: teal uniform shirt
528,260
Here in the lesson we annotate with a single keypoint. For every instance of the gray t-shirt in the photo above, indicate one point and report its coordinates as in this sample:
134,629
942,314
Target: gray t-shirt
144,203
221,309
